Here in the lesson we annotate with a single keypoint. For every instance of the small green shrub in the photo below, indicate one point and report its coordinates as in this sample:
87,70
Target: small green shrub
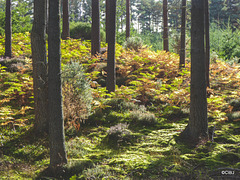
77,96
225,41
82,30
134,43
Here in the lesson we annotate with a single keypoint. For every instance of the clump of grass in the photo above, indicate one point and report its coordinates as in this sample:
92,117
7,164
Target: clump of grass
77,96
142,116
117,104
98,172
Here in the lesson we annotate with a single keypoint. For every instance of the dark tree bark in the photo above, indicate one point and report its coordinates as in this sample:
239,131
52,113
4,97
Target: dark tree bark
207,39
107,19
65,18
127,19
183,35
8,29
111,72
55,112
47,15
197,128
39,63
95,48
165,25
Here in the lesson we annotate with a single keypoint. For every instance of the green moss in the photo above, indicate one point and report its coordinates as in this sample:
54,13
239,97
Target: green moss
229,157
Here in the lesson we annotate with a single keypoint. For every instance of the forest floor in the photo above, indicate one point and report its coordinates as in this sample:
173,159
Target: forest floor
131,134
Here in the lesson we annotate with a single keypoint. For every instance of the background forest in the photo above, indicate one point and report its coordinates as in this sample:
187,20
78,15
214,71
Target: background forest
146,20
133,132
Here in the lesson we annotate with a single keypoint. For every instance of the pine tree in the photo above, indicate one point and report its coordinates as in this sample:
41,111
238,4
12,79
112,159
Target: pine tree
197,128
39,62
55,112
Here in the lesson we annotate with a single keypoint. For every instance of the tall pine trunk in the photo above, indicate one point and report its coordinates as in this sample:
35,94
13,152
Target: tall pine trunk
8,29
55,111
127,19
65,18
111,72
207,39
95,36
39,63
183,36
197,128
165,26
107,19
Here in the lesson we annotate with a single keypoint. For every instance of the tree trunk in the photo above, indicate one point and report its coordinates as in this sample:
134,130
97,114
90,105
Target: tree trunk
127,19
47,15
165,25
111,72
107,19
95,48
183,35
207,39
39,63
55,112
8,29
197,128
65,28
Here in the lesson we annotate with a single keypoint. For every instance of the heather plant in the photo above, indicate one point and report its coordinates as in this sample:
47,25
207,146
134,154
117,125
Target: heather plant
77,96
119,135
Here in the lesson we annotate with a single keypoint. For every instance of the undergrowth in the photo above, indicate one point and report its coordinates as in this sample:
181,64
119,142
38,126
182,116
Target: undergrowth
131,133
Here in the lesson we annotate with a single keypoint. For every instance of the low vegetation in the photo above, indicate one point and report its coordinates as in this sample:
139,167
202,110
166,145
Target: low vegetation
129,134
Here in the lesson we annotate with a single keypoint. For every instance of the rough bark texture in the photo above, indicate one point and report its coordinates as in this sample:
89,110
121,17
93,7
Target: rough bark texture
165,25
8,29
111,72
95,48
65,18
39,62
55,112
107,19
207,39
127,19
47,15
197,128
183,36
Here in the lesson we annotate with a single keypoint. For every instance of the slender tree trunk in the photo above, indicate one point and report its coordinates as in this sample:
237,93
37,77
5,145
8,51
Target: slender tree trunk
165,25
39,63
183,35
8,29
65,28
197,128
111,72
127,19
55,112
47,15
207,39
107,19
95,48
